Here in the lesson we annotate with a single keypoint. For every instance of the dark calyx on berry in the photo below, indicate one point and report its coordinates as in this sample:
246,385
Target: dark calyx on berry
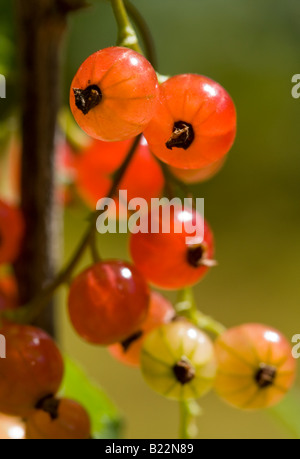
87,99
184,371
182,137
50,405
129,341
265,376
195,255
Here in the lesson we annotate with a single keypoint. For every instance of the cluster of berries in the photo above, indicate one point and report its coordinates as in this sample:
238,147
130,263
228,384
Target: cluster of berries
189,123
32,368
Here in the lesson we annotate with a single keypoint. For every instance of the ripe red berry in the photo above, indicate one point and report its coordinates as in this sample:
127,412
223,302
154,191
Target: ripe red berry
160,312
96,164
32,369
169,260
190,176
58,419
8,293
114,94
11,232
194,124
108,302
178,361
255,366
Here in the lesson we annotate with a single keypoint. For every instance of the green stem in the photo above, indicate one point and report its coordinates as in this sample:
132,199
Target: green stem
144,31
189,411
186,306
127,36
29,312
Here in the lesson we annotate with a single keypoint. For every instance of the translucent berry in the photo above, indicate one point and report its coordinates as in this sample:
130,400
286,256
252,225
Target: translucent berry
108,302
97,164
160,312
178,361
11,232
173,259
32,369
58,419
194,124
190,176
255,366
114,94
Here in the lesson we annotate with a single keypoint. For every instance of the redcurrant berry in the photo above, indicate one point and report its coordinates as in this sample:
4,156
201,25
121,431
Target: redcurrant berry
96,164
190,176
168,260
108,302
255,366
114,94
178,361
160,312
58,419
194,124
32,369
11,232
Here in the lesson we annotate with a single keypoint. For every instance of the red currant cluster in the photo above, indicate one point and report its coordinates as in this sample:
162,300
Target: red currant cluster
189,122
31,375
32,370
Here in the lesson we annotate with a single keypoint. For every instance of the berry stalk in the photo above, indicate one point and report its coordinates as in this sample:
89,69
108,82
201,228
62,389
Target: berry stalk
189,411
186,306
126,33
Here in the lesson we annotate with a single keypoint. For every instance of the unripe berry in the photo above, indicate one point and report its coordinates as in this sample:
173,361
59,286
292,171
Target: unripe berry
178,361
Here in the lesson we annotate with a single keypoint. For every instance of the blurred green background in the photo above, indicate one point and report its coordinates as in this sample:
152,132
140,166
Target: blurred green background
251,47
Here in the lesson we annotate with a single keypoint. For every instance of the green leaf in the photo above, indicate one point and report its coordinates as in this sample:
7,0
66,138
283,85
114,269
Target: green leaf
287,413
105,418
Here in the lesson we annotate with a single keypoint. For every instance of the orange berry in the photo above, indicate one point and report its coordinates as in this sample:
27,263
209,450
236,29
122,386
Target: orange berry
96,164
194,123
114,94
56,419
255,366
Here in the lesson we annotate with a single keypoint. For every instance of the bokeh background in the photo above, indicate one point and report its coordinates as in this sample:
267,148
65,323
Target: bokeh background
251,47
